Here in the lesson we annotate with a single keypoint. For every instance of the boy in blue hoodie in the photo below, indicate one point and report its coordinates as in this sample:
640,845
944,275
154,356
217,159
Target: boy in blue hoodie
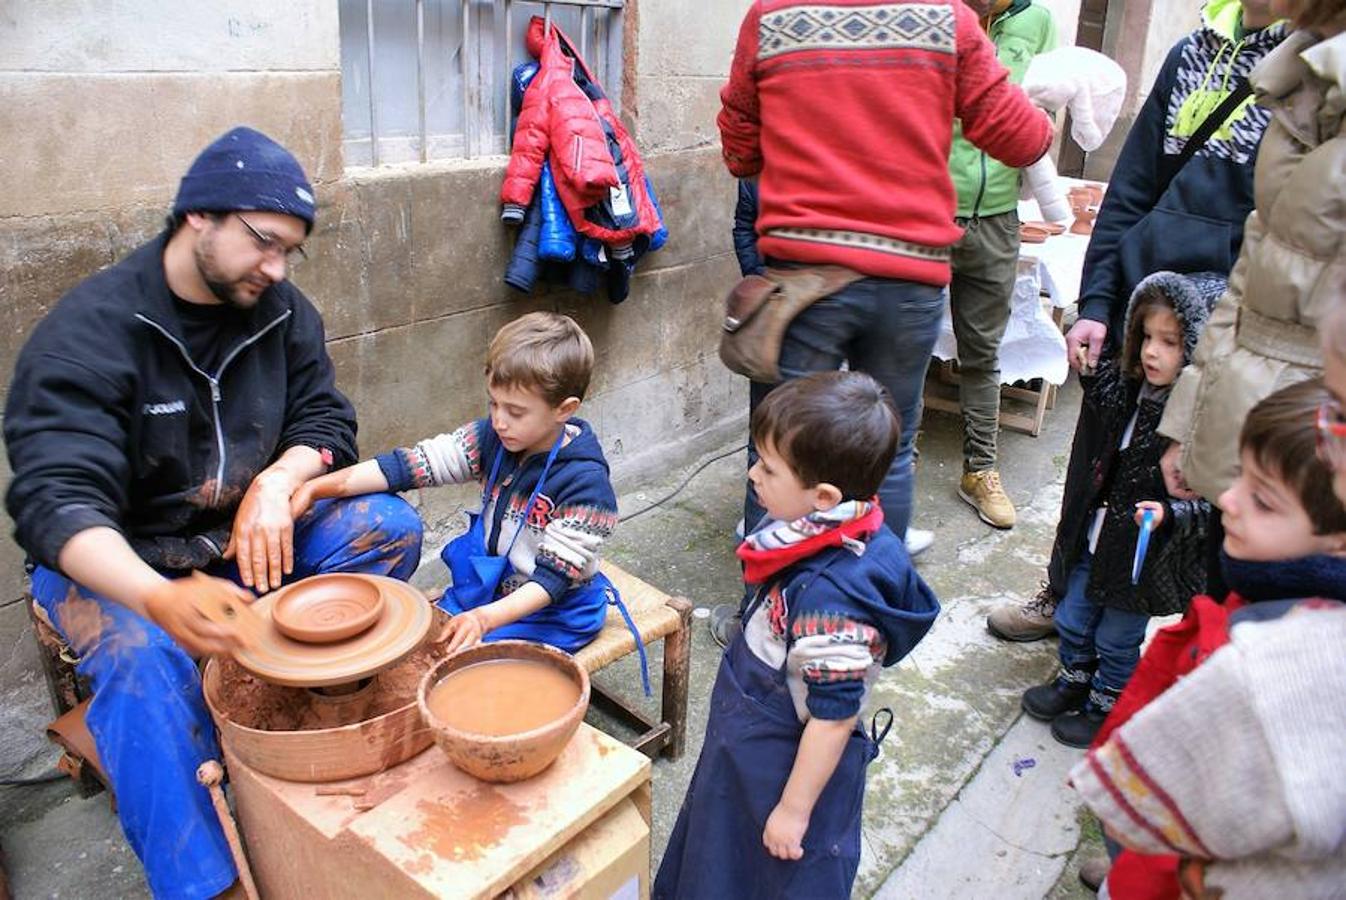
527,567
774,806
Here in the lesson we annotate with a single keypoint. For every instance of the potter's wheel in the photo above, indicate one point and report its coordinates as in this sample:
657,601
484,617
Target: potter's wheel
406,620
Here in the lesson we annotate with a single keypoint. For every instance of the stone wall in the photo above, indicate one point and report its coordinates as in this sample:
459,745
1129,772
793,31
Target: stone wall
103,107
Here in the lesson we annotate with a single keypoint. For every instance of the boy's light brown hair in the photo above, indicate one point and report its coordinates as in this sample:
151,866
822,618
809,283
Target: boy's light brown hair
835,427
1281,433
544,352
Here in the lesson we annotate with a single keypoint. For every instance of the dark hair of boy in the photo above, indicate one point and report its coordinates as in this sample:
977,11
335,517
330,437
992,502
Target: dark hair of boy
1145,303
542,351
835,427
1281,433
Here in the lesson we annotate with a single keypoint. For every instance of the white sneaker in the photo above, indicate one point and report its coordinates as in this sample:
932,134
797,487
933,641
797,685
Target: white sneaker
738,529
918,540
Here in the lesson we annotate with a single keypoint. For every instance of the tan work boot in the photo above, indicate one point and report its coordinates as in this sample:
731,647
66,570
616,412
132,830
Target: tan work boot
1031,621
983,491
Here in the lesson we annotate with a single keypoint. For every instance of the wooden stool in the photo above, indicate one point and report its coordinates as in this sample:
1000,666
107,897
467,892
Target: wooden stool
58,661
70,698
657,617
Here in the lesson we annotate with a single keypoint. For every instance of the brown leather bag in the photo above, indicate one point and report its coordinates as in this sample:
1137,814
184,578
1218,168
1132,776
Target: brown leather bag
761,307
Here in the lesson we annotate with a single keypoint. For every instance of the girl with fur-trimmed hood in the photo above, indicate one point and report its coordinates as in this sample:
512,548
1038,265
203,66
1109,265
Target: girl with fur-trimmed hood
1103,616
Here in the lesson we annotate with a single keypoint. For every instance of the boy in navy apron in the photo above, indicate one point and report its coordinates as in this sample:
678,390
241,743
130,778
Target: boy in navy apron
527,568
774,806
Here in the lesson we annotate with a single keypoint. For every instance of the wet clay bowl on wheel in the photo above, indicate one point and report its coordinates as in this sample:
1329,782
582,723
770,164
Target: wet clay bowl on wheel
504,711
328,608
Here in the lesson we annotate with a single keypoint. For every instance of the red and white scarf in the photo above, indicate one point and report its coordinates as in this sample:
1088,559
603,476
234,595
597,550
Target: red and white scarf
777,544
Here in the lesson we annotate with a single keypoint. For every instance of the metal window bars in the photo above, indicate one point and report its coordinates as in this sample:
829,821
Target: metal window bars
474,99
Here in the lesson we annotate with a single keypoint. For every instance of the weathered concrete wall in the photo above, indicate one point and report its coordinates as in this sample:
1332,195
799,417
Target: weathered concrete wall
101,112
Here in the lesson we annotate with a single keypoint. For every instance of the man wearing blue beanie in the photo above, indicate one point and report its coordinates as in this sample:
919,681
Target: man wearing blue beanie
159,419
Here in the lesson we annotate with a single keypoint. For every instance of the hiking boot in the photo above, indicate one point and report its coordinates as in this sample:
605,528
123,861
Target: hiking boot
983,491
1031,621
918,540
1066,692
1078,728
726,620
1094,871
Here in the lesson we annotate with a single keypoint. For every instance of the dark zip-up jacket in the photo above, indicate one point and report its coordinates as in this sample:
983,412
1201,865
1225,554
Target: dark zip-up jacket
109,421
1155,217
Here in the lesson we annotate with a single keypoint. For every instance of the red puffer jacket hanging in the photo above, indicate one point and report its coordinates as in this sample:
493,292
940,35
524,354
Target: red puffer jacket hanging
567,118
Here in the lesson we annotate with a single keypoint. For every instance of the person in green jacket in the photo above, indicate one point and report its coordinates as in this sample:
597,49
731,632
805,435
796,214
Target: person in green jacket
985,262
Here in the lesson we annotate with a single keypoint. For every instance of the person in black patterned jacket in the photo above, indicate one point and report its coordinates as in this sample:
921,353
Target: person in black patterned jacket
1103,615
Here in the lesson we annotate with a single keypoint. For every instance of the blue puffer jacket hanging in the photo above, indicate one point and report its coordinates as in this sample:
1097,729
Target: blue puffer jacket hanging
558,239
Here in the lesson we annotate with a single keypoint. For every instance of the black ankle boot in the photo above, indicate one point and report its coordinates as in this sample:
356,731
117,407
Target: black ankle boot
1078,728
1067,691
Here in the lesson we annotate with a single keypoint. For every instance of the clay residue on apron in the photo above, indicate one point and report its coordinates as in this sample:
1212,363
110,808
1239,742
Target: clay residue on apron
86,627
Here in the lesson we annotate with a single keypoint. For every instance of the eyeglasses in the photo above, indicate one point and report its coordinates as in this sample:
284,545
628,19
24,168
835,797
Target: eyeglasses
268,245
1332,435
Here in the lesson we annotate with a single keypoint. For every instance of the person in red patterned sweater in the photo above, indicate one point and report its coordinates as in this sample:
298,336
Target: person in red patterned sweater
844,114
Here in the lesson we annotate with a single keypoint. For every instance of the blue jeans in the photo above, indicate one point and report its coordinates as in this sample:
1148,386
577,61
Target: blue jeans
148,718
1091,632
884,328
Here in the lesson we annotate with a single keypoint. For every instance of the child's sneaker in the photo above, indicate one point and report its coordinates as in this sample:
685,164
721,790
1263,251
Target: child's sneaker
1067,692
1078,728
918,540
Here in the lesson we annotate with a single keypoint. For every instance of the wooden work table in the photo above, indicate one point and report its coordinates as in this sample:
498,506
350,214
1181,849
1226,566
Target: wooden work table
425,829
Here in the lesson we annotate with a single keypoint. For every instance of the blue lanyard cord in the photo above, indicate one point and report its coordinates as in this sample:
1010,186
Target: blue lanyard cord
490,485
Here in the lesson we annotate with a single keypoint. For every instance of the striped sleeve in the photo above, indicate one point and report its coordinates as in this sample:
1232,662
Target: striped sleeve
835,655
1192,773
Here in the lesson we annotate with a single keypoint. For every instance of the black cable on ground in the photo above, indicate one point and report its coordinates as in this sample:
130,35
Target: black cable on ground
686,481
27,782
8,603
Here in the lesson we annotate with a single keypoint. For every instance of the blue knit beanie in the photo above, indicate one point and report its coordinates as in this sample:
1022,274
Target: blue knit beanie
246,170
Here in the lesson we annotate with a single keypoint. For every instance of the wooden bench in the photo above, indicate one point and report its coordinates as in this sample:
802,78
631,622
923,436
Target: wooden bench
658,617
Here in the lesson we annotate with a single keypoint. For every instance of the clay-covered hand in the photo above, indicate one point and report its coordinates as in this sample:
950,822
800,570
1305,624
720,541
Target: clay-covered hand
263,536
464,630
1170,465
1084,344
169,605
783,836
1156,507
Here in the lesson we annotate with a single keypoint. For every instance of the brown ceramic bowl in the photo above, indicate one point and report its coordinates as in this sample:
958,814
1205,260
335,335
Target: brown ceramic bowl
511,757
327,608
1051,228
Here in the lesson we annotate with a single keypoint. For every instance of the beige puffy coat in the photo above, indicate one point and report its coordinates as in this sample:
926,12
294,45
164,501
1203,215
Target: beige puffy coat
1263,333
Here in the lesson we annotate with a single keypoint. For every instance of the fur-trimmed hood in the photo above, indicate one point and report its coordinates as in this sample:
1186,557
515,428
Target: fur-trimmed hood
1192,297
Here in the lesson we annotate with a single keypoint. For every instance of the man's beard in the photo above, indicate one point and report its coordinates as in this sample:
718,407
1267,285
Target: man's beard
225,291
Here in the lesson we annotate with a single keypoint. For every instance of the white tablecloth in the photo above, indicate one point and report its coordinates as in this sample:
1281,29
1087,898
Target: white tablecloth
1033,346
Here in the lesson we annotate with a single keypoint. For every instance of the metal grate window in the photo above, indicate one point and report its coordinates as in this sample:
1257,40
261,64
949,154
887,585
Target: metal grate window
429,79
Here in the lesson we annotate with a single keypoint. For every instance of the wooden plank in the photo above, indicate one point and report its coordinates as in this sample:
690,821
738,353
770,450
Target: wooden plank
456,836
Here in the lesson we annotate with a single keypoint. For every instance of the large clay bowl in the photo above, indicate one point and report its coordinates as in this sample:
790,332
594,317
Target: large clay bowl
511,757
328,608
